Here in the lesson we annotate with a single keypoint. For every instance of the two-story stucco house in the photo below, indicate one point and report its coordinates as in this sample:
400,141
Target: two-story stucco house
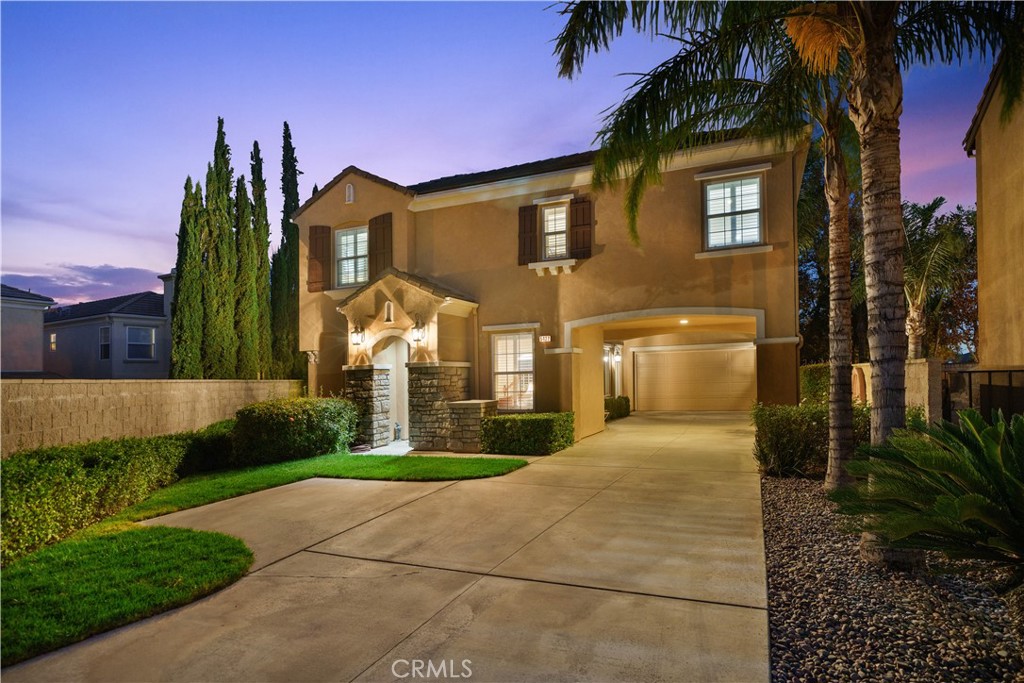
521,285
124,337
21,331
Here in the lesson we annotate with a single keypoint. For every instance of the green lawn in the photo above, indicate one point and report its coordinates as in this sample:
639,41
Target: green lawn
116,572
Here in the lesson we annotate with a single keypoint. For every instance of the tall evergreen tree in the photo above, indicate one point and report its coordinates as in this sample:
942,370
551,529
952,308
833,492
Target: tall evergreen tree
187,304
285,278
220,343
261,235
247,310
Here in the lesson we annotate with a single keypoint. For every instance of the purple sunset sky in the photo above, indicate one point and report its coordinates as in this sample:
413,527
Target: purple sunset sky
106,107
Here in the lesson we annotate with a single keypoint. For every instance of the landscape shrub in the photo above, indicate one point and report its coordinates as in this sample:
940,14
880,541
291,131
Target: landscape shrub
209,449
527,433
814,383
792,441
292,428
957,489
49,493
616,407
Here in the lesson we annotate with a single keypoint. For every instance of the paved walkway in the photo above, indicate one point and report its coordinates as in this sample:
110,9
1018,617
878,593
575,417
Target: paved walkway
636,555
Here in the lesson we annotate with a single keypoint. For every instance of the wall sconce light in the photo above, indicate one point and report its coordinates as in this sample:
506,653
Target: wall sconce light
358,336
419,331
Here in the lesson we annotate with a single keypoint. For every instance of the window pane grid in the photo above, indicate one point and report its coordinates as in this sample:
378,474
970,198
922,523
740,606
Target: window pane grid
513,371
555,220
351,248
104,343
140,343
733,212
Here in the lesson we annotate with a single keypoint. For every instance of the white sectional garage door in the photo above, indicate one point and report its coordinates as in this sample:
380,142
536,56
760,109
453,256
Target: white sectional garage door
703,379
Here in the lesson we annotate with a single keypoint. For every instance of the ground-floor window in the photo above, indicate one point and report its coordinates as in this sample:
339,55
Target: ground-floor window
513,370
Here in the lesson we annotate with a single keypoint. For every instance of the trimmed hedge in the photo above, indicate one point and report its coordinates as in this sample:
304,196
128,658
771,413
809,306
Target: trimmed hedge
814,383
49,493
209,449
292,428
792,441
616,407
527,433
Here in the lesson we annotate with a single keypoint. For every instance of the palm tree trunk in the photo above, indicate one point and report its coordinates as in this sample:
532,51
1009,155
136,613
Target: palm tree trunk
915,331
840,389
876,102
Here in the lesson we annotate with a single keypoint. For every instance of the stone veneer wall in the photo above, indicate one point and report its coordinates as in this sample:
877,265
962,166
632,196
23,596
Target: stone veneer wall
370,387
52,412
432,386
464,425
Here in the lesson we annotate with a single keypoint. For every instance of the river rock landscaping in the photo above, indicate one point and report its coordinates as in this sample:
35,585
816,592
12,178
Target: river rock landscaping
833,617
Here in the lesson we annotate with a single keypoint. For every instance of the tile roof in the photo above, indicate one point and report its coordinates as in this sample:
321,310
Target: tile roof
563,163
141,303
8,292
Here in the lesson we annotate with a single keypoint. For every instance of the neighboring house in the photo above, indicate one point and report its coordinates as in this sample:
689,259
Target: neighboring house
521,285
126,337
996,145
21,331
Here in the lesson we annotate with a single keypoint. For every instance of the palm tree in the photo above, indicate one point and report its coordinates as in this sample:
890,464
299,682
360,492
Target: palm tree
936,256
873,40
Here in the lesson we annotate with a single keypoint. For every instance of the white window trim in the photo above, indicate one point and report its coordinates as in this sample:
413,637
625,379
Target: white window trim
53,342
334,252
532,372
724,176
109,343
128,343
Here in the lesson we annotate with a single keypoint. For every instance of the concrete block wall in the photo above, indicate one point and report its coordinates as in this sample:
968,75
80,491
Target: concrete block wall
464,424
53,412
370,387
432,386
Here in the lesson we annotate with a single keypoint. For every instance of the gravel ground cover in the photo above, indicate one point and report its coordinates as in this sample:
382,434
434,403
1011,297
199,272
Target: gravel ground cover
835,618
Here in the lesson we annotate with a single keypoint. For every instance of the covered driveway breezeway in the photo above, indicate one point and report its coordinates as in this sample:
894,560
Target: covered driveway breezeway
635,555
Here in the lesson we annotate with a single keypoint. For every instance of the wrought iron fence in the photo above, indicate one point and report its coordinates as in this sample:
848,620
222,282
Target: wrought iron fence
985,389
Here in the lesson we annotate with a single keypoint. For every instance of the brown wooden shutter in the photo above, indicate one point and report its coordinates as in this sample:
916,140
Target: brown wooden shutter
527,234
379,244
581,227
319,258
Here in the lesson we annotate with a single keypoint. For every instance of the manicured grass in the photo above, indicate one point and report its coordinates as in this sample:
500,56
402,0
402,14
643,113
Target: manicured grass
115,572
109,577
209,488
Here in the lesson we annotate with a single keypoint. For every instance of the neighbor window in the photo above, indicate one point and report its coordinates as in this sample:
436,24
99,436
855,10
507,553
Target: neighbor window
53,341
733,212
141,343
554,220
104,343
513,370
350,254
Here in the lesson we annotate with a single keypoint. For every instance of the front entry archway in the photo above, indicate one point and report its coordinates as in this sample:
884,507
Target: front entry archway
394,352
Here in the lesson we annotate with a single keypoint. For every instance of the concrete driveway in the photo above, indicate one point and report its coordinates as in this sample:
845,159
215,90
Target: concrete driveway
636,555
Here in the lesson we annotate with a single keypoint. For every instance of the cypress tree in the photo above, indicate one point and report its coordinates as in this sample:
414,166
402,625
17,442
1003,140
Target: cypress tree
247,310
285,279
261,236
220,343
187,304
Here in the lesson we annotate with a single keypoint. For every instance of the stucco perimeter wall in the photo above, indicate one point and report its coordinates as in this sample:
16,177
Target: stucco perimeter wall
1000,236
923,386
52,412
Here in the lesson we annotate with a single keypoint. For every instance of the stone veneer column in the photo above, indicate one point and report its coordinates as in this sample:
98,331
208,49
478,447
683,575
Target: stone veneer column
464,425
370,387
432,386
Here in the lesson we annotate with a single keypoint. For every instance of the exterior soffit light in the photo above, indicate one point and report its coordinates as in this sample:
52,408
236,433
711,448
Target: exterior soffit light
684,321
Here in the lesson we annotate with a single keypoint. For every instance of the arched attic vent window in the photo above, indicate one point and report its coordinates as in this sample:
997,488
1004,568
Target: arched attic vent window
350,193
389,312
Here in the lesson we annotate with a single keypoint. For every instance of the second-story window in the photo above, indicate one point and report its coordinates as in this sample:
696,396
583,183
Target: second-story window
351,257
732,209
140,343
555,230
105,343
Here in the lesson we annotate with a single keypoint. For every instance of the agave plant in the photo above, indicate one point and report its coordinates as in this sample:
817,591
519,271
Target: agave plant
958,489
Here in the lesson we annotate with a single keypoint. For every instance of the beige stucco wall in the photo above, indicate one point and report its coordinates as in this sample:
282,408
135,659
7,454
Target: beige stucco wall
472,247
1000,175
923,386
51,412
21,349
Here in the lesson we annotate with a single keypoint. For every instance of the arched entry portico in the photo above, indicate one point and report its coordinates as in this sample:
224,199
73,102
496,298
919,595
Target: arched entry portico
393,351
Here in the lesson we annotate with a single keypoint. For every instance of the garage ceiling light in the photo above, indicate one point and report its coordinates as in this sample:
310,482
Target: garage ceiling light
683,321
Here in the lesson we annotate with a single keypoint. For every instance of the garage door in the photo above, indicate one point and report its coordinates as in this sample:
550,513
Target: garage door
705,379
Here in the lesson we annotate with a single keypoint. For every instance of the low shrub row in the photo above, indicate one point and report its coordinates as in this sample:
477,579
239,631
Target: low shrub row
49,493
527,434
616,407
792,441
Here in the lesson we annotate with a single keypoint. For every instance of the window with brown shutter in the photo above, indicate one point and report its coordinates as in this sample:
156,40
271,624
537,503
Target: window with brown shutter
319,257
527,234
581,227
380,246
